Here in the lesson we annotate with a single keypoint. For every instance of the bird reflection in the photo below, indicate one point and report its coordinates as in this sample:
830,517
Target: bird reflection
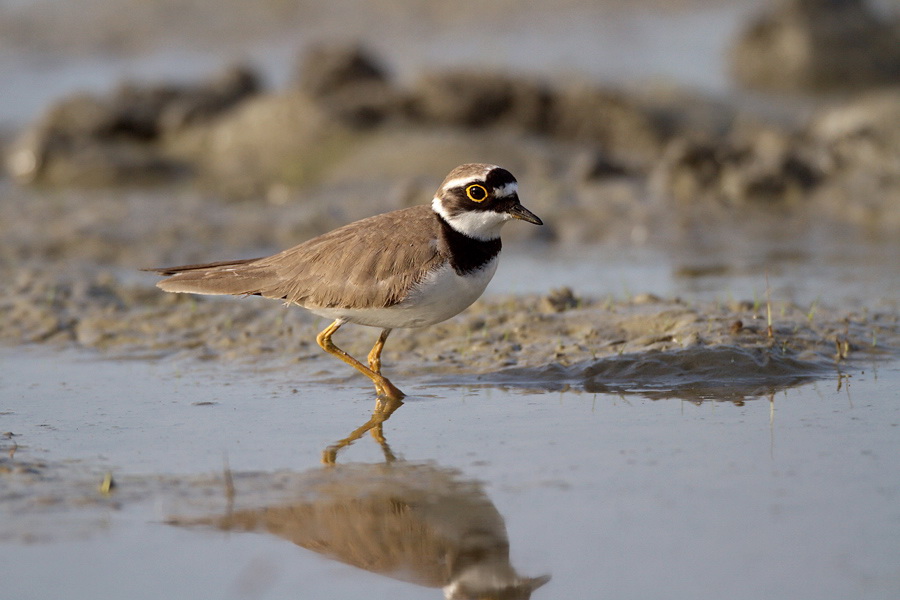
412,521
384,408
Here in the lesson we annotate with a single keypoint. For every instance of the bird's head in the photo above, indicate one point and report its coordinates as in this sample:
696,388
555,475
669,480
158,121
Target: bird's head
477,199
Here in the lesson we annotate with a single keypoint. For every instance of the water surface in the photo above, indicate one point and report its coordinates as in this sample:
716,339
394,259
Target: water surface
793,495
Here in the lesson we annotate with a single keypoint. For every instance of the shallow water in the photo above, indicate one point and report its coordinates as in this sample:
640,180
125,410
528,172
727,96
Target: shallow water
792,496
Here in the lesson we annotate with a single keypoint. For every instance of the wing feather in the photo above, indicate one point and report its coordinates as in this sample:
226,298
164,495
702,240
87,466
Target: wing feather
370,263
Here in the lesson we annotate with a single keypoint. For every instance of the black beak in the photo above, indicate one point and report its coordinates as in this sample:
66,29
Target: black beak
520,212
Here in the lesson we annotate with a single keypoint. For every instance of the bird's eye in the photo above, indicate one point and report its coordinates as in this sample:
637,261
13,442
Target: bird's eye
477,193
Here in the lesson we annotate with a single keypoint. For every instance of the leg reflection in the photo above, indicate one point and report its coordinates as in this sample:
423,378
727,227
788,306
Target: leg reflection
384,408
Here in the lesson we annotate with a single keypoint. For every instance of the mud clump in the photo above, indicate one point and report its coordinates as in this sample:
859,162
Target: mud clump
89,140
284,138
481,99
596,155
769,168
724,372
818,45
560,300
351,84
145,133
842,163
860,144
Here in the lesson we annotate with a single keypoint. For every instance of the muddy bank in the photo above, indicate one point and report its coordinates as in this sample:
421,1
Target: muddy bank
819,45
558,339
172,173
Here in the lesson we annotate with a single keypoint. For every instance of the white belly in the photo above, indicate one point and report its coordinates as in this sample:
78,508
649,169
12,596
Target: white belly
443,294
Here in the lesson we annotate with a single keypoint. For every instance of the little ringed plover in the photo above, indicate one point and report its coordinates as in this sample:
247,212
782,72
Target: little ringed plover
407,268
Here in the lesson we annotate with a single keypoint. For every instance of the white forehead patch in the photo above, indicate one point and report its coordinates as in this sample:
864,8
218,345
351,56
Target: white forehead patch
504,191
464,181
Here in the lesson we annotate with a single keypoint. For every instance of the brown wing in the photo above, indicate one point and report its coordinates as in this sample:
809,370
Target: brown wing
371,263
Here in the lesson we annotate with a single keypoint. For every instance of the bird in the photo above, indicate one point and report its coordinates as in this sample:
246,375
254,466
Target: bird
408,268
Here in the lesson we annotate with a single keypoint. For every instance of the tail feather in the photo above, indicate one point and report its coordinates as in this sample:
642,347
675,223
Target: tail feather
237,277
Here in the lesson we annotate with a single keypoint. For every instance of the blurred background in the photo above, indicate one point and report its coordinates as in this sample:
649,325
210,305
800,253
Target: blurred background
687,148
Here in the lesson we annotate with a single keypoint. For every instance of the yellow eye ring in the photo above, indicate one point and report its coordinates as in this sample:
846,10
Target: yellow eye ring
477,193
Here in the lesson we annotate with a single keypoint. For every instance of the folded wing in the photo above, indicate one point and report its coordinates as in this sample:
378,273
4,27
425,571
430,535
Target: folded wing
367,264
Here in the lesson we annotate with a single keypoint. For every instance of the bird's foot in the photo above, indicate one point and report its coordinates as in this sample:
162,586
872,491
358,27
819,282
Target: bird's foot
384,387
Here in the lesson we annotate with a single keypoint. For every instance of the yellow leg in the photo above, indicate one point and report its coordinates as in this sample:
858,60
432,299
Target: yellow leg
382,385
375,354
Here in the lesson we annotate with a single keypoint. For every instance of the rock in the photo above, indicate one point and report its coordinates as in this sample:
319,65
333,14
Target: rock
860,140
479,99
871,119
691,340
603,119
53,157
816,45
145,112
596,165
646,298
560,300
89,140
326,69
688,169
350,84
271,139
607,119
190,105
768,168
67,145
365,105
843,163
673,110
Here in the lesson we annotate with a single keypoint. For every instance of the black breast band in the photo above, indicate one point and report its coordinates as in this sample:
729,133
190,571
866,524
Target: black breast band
466,254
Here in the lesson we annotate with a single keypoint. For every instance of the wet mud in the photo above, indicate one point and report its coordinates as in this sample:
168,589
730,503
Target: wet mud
542,341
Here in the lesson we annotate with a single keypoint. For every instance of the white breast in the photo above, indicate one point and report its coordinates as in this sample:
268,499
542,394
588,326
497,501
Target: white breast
443,294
